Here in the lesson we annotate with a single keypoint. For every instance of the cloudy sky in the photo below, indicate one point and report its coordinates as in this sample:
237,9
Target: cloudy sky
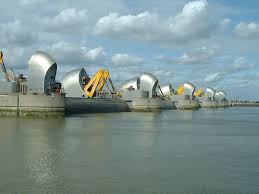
209,43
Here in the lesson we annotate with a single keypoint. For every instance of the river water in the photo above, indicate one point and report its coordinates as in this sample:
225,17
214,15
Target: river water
204,151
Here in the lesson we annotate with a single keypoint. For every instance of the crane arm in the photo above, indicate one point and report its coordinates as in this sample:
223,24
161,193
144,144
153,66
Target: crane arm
1,57
105,76
199,93
91,86
180,90
3,66
97,83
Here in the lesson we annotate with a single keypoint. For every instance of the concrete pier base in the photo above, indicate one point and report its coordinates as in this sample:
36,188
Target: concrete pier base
223,103
208,103
187,105
214,104
30,105
168,105
155,104
205,104
146,104
185,102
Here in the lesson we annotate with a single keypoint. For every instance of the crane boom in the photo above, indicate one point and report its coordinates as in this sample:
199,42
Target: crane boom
90,87
97,83
180,90
199,92
3,66
105,76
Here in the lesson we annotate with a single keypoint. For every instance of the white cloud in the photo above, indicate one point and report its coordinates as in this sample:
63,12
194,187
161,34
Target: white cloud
71,54
190,24
96,55
225,23
242,64
67,21
16,34
125,60
31,2
247,30
215,77
200,55
164,73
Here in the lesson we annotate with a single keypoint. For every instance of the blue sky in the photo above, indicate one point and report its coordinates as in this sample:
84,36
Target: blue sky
207,42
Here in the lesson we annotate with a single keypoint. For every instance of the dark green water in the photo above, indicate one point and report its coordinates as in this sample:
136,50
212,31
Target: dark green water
205,151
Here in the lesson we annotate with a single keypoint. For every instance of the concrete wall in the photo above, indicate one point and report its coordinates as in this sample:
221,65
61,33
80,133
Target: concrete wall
147,104
130,95
223,103
8,105
40,105
206,102
168,105
184,102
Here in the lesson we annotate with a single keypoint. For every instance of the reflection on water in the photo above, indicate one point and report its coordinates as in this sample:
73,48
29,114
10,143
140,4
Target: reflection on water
205,151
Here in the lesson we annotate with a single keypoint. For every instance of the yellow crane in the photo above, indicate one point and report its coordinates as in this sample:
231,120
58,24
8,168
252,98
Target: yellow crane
180,90
3,66
105,76
199,93
97,83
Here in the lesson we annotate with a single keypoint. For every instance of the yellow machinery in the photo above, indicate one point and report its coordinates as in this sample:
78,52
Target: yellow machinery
3,66
180,90
1,57
97,83
199,93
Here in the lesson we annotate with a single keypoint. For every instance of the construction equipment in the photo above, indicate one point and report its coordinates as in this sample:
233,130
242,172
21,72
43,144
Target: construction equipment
97,83
3,66
180,90
105,76
199,93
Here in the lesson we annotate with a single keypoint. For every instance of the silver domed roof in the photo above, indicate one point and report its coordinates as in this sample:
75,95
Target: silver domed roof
73,83
42,71
167,90
189,88
210,92
148,82
220,95
134,83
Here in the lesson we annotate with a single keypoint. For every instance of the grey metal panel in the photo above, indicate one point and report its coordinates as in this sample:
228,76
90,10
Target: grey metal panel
189,89
95,105
134,83
148,82
72,83
167,90
210,92
42,71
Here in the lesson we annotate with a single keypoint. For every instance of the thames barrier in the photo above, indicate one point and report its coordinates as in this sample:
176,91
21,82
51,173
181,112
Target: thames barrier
41,95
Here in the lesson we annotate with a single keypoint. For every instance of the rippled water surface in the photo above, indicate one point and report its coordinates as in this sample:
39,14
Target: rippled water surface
204,151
